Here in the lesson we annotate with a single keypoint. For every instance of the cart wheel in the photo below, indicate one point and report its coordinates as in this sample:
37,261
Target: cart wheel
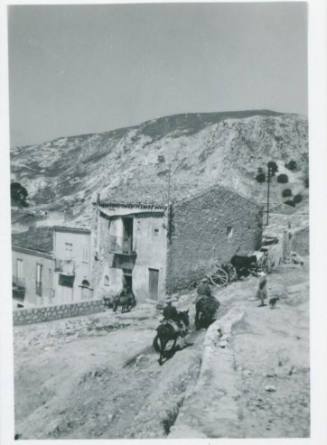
219,278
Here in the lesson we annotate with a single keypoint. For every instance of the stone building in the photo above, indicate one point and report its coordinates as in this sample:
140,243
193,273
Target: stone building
33,277
72,253
157,248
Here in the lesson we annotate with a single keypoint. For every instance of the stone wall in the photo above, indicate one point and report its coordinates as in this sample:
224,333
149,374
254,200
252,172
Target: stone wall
301,241
48,313
210,228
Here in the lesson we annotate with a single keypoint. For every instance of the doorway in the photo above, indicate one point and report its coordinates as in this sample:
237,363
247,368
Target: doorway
153,283
128,235
127,279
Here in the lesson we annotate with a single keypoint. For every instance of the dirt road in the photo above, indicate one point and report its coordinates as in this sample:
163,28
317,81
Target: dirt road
98,377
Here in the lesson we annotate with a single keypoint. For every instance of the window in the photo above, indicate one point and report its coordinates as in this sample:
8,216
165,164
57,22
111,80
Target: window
19,268
38,289
69,251
229,232
106,280
156,231
66,280
85,255
85,283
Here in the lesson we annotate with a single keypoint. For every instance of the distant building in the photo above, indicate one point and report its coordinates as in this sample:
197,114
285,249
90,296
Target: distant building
72,253
157,249
33,277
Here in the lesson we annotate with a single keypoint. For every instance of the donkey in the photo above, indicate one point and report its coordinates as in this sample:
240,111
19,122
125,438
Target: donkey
167,335
126,300
205,312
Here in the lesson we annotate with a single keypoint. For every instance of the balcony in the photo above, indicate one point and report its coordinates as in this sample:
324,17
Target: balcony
123,255
121,246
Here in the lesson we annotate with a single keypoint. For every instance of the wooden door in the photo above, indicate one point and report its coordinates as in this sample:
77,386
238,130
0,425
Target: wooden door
153,283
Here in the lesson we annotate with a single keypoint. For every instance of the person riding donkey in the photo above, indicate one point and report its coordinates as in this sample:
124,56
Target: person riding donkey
203,289
171,314
206,305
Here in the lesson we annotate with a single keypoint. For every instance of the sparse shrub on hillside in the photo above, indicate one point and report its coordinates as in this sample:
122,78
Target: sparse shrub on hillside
163,172
291,165
282,179
161,158
306,182
260,177
273,167
297,198
286,193
290,202
18,195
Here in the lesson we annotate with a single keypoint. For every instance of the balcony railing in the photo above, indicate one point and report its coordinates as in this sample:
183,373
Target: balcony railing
19,282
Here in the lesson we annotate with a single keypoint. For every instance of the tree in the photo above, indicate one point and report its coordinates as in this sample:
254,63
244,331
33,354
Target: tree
297,198
286,193
18,194
291,165
261,177
273,167
290,202
282,179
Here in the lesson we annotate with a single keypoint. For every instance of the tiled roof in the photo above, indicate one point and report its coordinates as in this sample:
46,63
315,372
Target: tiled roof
71,229
33,252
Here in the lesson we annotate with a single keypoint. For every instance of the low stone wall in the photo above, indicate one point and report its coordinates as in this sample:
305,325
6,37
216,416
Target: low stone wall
48,313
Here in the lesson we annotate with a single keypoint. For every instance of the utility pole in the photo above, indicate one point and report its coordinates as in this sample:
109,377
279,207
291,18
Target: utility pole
169,184
168,203
268,192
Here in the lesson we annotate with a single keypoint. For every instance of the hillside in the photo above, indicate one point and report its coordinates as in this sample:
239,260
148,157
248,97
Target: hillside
132,163
97,376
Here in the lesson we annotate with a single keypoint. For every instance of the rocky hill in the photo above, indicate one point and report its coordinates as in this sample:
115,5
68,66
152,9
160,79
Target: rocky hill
132,164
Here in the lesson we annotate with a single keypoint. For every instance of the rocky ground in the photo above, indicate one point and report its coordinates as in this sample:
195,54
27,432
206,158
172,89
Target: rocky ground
98,377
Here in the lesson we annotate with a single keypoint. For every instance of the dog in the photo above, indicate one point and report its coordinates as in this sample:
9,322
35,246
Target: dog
273,302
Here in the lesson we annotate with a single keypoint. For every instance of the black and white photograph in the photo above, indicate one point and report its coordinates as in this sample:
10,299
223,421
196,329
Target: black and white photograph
159,217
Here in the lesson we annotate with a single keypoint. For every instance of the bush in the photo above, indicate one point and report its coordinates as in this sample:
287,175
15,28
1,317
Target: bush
272,166
286,193
261,177
282,179
290,202
18,194
292,165
306,182
297,198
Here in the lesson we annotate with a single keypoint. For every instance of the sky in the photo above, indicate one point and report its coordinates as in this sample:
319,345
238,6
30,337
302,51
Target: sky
84,69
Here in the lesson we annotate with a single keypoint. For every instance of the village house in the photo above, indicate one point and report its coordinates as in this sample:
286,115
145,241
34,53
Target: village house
72,253
60,275
33,277
157,249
